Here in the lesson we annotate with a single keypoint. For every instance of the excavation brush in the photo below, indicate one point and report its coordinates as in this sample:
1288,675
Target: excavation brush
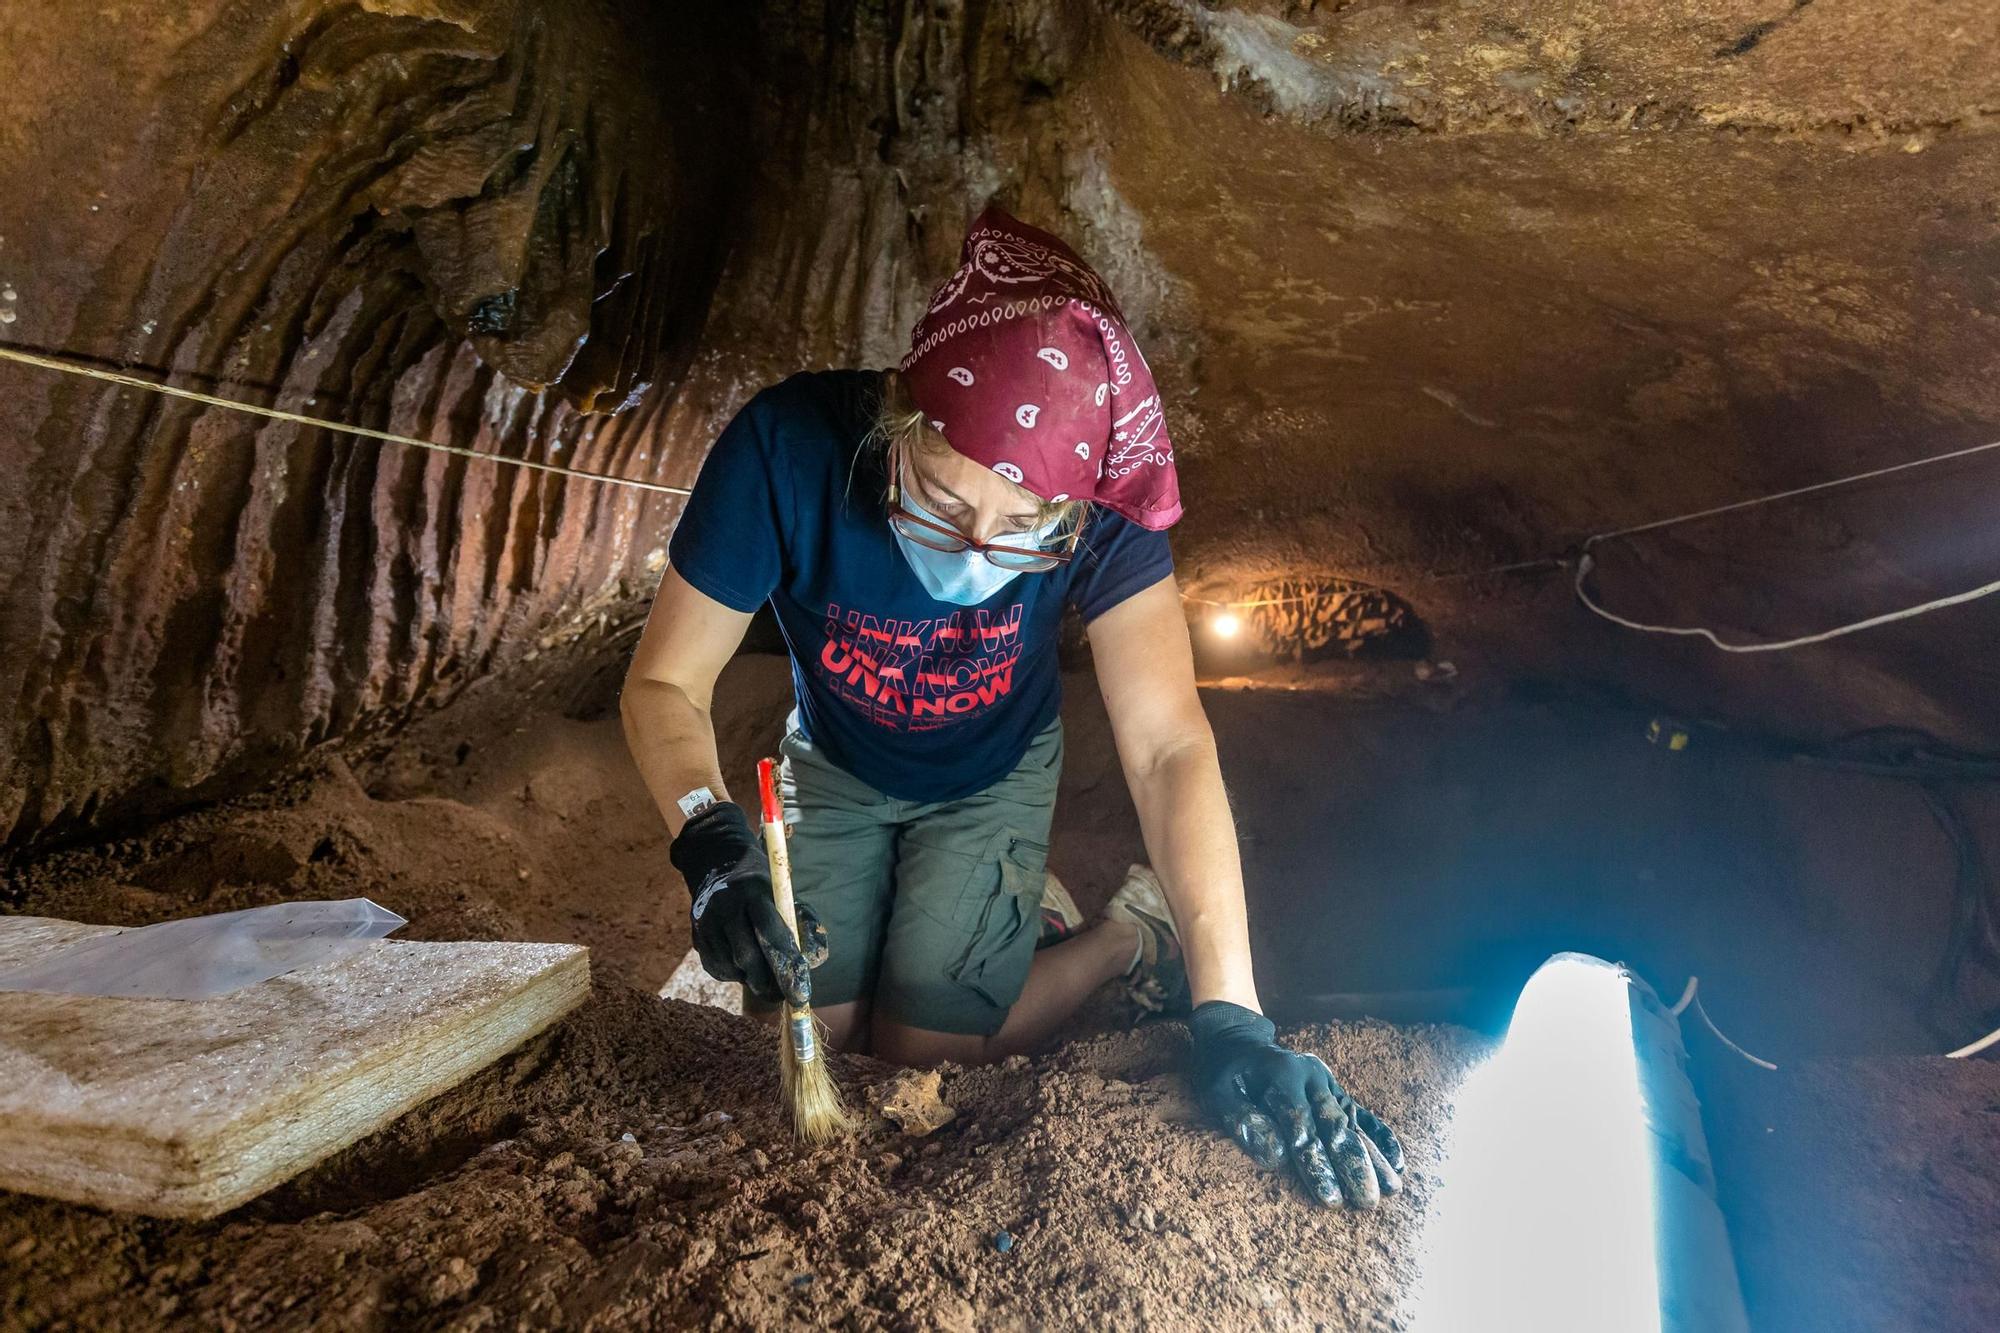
808,1086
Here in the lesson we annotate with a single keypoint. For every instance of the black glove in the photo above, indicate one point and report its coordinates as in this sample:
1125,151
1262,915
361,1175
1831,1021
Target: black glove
1281,1106
737,929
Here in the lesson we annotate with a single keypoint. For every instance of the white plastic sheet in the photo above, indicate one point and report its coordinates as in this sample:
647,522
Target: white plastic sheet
201,957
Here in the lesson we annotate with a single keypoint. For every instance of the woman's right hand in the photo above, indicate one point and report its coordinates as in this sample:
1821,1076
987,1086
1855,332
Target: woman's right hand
1283,1107
737,928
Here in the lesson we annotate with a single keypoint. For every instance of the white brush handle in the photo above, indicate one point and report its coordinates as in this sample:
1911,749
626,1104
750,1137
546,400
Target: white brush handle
781,878
805,1046
774,845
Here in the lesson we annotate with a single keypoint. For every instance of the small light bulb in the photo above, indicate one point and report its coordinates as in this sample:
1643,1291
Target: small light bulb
1226,625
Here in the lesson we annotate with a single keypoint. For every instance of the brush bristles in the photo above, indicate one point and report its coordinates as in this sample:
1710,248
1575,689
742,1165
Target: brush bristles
809,1089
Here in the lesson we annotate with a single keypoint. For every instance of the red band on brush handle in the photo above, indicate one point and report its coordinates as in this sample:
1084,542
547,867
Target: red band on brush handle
767,790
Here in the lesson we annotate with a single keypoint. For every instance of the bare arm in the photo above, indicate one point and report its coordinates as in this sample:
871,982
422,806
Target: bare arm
1145,668
668,688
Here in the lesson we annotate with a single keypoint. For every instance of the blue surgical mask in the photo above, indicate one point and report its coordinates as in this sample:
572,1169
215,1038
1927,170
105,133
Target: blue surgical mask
964,578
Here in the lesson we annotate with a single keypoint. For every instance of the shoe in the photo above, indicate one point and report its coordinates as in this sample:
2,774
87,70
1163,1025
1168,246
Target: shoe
1060,917
1157,981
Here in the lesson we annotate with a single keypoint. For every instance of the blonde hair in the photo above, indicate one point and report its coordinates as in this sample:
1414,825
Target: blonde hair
899,425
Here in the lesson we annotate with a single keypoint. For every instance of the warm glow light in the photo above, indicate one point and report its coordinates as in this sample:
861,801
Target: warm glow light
1226,624
1545,1209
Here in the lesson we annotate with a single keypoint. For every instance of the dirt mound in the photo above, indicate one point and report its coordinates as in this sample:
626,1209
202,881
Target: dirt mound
320,836
629,1169
493,819
517,1200
1863,1194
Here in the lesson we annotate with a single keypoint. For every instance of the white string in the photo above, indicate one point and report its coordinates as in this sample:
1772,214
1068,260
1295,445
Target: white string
1585,564
1794,492
1702,1010
276,414
1974,1048
1691,994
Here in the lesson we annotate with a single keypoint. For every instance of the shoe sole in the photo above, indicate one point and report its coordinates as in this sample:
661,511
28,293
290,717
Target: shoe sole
1143,902
1161,986
1058,914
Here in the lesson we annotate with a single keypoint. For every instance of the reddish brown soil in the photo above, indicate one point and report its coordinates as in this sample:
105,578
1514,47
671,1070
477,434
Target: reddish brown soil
1402,848
488,820
1863,1195
515,1200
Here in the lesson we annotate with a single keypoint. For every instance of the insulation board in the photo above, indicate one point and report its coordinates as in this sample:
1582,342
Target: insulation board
186,1108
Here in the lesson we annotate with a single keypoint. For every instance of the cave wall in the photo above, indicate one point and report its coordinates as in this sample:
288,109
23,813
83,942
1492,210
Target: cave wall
1430,286
453,218
579,233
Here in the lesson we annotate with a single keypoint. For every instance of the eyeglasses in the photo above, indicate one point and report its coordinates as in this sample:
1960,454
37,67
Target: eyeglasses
941,537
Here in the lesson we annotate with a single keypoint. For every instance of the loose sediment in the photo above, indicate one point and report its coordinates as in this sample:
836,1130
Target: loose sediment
634,1167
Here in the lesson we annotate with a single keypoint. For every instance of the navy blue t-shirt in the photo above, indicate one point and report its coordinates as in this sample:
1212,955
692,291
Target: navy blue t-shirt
922,700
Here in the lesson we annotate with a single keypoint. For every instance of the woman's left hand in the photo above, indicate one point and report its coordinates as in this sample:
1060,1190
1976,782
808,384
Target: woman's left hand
1283,1106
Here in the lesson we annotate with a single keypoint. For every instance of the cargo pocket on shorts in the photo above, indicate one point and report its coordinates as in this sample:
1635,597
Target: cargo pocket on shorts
996,959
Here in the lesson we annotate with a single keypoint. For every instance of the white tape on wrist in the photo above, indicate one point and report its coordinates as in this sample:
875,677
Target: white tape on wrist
696,801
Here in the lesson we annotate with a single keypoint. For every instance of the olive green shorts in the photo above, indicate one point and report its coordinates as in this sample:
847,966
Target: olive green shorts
931,909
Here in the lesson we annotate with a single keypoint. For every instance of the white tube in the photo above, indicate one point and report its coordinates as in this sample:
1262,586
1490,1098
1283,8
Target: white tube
1975,1048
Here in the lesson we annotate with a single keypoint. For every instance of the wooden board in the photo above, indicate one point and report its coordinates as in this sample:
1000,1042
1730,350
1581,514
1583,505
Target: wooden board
183,1108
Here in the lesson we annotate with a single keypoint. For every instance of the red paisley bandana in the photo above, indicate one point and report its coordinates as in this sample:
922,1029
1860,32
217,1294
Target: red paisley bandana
1025,364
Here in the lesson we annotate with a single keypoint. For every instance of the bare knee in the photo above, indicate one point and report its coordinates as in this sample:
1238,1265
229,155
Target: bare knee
846,1026
922,1048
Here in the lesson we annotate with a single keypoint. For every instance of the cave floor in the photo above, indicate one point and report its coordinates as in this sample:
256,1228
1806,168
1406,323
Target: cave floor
1418,844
